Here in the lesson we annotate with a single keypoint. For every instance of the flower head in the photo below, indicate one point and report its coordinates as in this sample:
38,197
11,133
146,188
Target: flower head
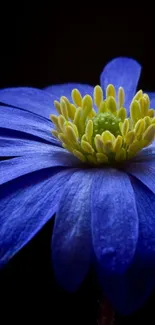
108,135
104,210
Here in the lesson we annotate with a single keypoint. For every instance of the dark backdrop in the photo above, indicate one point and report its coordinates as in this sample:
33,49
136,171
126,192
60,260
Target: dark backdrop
43,45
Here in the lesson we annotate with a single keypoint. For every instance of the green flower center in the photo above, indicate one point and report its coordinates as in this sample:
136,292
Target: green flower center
108,135
106,122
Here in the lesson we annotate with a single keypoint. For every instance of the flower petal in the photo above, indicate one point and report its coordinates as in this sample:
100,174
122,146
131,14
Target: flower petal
145,172
152,99
33,100
26,204
122,72
16,167
145,202
29,123
18,145
130,292
146,154
71,244
114,220
66,89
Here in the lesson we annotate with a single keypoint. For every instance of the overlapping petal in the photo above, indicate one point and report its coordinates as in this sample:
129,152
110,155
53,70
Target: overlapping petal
33,100
114,220
16,167
71,243
16,119
130,291
122,72
66,89
26,204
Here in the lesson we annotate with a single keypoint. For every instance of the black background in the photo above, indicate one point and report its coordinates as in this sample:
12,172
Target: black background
43,45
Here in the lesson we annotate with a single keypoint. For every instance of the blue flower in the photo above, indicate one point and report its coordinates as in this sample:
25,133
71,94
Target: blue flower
104,216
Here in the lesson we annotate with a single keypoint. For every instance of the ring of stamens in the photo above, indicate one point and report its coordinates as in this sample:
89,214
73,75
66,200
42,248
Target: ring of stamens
98,131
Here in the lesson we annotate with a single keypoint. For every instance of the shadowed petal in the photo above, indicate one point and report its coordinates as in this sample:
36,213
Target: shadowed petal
26,204
131,291
145,201
71,244
114,220
122,72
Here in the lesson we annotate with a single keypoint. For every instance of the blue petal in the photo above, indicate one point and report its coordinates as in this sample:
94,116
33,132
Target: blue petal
72,248
147,154
152,99
122,72
66,89
15,143
13,168
145,172
130,292
26,204
114,220
30,99
145,201
29,123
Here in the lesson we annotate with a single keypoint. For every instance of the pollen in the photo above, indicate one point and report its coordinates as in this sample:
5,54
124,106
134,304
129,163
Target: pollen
98,131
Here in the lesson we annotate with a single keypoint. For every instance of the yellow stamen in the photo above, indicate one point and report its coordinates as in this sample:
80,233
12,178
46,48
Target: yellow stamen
120,155
79,155
99,143
151,112
102,158
121,113
87,105
77,98
63,107
70,133
121,97
149,133
89,130
61,122
130,137
135,111
139,127
55,133
70,109
77,116
138,95
111,104
98,96
108,135
125,127
110,91
118,144
143,106
87,147
103,107
57,106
